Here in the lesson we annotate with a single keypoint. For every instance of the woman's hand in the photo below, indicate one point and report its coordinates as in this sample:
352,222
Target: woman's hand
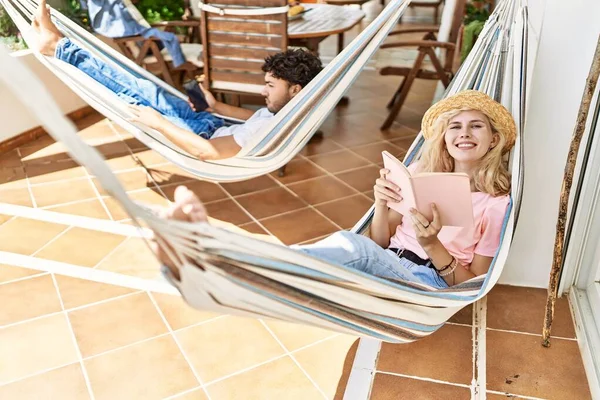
147,116
385,190
426,231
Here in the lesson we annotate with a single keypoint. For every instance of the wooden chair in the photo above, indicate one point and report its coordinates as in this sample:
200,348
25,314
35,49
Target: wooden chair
428,4
427,46
235,47
147,54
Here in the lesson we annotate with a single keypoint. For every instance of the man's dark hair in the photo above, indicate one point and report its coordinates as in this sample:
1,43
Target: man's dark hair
296,66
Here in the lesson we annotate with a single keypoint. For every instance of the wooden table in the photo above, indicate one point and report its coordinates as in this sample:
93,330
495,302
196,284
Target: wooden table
323,21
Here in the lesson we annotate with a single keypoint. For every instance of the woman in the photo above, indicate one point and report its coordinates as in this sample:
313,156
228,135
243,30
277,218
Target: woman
468,132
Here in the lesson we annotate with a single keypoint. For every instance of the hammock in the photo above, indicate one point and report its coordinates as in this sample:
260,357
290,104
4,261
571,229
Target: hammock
246,276
272,148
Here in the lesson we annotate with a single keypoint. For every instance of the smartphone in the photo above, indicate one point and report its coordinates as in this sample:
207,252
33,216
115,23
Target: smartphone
192,88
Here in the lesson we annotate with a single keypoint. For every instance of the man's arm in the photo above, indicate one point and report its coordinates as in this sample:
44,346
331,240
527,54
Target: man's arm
215,149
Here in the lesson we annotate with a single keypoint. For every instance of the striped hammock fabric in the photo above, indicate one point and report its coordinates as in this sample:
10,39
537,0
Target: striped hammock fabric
272,148
243,275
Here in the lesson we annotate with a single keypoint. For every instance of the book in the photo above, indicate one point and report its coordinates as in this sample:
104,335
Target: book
450,191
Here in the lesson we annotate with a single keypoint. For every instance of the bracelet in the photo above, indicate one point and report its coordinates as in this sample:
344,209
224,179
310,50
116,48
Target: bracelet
445,268
452,267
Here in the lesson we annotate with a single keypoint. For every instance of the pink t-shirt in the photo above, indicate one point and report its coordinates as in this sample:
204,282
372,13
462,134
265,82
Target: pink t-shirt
462,243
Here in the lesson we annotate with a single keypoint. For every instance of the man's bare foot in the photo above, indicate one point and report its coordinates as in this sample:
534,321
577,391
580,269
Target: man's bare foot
49,35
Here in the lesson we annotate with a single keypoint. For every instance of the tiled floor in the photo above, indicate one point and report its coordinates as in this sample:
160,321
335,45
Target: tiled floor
64,337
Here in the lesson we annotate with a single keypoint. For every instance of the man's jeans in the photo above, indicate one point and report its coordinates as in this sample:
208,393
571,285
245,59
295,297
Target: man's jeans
361,253
139,91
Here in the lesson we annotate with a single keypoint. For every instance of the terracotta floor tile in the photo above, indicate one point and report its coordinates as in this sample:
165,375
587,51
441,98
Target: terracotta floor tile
320,146
45,153
93,122
269,202
294,336
227,345
122,162
253,227
372,152
112,149
81,246
298,170
77,292
320,190
149,158
116,323
389,387
299,226
53,171
339,161
16,235
464,316
63,192
99,129
34,346
11,272
169,174
431,357
150,370
130,180
197,394
148,197
403,143
89,208
19,196
401,131
178,313
362,179
249,186
10,159
36,297
522,366
61,383
522,309
227,210
346,212
135,145
4,218
328,361
12,177
280,379
206,191
132,258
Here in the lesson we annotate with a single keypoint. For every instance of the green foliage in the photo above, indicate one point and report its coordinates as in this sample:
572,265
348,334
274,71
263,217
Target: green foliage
72,9
161,10
477,10
7,26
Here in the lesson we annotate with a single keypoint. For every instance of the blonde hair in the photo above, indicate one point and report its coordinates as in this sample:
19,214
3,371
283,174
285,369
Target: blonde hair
490,176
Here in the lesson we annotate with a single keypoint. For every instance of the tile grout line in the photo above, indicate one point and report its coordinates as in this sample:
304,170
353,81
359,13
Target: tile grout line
478,334
74,339
54,239
113,251
518,396
288,353
424,379
30,191
178,344
24,278
310,206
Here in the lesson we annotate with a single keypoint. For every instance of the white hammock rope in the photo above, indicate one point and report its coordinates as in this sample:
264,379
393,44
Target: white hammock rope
272,148
238,274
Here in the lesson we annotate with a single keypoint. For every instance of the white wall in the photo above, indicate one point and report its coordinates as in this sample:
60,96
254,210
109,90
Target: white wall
567,40
15,116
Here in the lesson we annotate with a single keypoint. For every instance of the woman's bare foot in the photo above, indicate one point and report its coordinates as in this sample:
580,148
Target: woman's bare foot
49,35
187,207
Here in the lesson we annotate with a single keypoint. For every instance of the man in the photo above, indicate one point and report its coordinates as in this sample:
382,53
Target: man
199,133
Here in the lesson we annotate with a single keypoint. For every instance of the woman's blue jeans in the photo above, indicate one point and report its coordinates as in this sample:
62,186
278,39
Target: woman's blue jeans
361,253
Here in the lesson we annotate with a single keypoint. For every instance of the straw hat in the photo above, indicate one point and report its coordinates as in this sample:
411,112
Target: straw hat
499,116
